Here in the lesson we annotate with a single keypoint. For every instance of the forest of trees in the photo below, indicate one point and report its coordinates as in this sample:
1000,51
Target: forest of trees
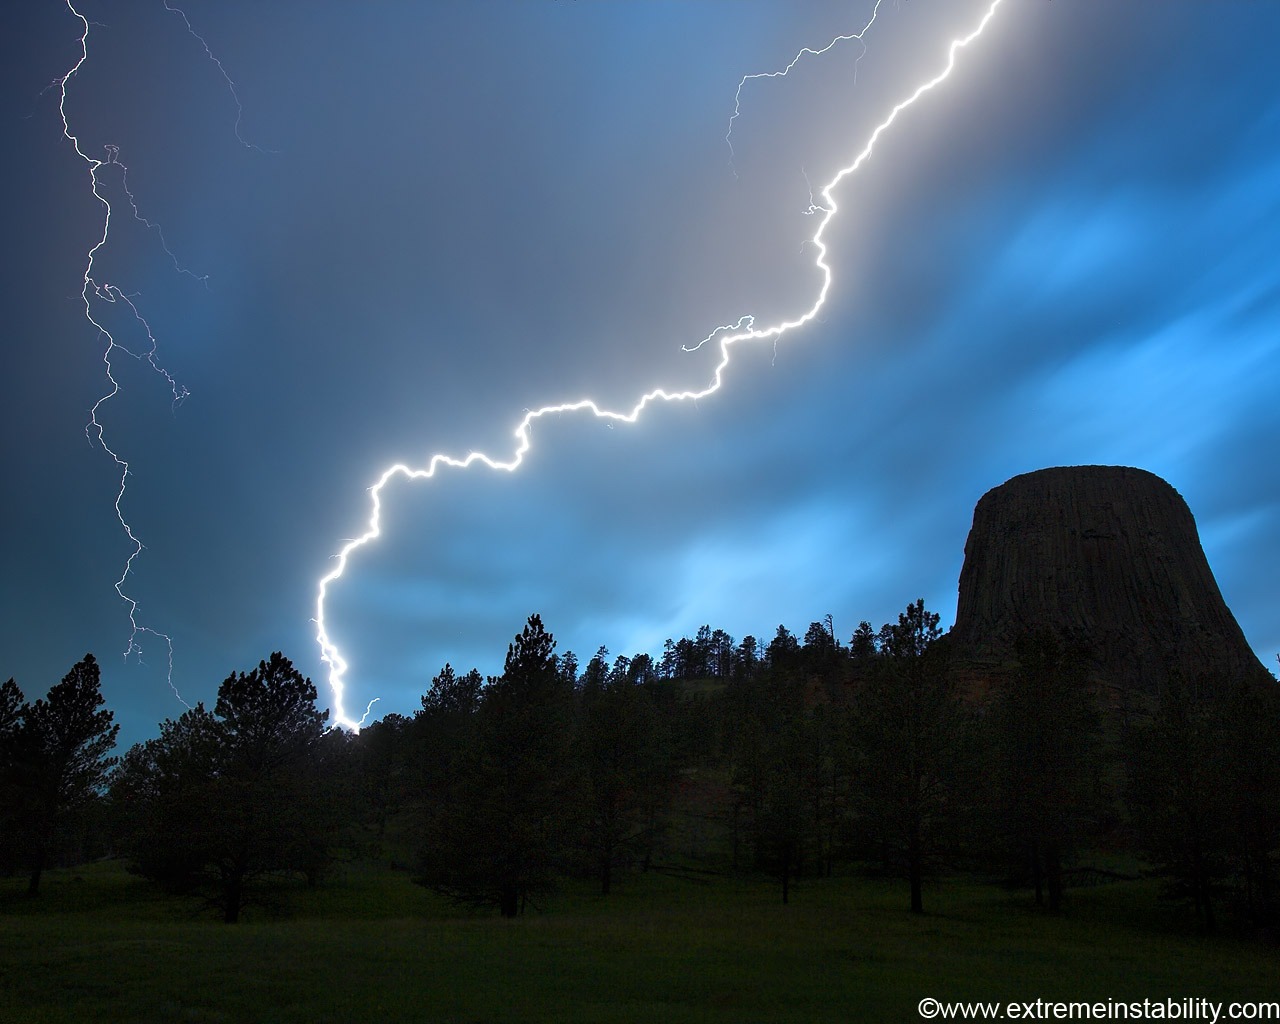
795,759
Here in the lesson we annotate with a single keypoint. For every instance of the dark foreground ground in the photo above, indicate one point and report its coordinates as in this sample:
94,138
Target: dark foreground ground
100,945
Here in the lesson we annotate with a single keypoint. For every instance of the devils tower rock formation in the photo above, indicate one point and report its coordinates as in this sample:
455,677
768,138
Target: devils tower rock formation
1104,556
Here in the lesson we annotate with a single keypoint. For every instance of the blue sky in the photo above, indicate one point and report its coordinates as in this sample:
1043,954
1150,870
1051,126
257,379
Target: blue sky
446,214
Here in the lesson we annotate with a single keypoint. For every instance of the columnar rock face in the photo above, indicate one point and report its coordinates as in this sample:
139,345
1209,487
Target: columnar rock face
1104,555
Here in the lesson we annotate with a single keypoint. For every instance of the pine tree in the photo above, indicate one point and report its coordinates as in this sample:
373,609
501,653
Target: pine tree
911,748
1045,733
511,820
219,800
62,752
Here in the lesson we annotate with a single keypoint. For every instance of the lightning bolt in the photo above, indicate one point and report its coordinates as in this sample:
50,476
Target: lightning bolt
744,330
805,51
231,85
93,290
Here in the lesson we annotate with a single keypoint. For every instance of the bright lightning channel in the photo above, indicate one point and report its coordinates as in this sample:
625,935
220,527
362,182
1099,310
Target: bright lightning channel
744,330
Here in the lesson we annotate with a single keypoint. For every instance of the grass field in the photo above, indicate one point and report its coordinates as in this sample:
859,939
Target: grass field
99,945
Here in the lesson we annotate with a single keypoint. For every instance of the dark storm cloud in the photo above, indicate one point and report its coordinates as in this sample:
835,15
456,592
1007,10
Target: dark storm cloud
1066,255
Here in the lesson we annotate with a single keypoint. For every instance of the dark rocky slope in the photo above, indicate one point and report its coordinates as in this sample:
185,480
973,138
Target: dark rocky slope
1106,556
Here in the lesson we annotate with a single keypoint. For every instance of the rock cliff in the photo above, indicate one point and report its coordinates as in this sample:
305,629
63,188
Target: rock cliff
1106,556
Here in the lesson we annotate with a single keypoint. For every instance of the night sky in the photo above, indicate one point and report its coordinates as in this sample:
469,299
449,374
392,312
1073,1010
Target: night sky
431,217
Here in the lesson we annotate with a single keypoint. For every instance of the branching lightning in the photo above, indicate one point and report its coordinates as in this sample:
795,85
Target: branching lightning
806,51
728,336
95,290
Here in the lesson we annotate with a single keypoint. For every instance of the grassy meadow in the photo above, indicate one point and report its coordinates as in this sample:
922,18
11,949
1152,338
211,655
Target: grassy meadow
100,945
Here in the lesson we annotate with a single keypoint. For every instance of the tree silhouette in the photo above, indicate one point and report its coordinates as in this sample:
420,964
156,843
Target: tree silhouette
785,823
11,703
910,747
746,658
862,645
1204,792
219,800
1176,788
1045,737
510,820
783,652
12,793
168,804
61,754
375,771
1251,710
623,756
441,755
